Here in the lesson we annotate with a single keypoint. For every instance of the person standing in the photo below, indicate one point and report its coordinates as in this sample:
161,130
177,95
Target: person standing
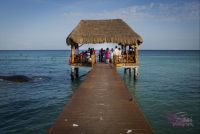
119,55
115,55
116,51
111,55
88,55
119,52
101,55
107,56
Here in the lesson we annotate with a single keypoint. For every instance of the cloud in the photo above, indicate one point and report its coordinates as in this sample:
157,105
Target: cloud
176,11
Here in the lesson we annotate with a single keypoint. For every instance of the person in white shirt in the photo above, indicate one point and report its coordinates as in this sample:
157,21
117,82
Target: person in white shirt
116,51
119,52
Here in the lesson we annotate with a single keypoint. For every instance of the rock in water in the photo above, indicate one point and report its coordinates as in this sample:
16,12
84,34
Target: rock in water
15,78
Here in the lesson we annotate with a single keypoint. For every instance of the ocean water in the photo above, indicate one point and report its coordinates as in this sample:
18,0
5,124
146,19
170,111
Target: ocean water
167,90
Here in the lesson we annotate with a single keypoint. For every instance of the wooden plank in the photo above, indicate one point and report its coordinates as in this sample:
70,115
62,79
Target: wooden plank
101,105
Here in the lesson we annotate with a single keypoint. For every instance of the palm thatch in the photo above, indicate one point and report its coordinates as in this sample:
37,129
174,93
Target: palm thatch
100,31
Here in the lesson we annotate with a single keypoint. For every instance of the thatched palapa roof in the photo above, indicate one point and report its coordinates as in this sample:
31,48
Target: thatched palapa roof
100,31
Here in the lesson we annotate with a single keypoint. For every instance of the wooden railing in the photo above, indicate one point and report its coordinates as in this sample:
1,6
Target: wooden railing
126,59
121,59
84,60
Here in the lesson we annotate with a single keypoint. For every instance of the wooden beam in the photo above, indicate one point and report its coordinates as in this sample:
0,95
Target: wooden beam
136,54
92,60
72,54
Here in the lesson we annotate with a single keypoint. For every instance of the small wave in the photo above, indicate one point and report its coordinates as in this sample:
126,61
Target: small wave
40,78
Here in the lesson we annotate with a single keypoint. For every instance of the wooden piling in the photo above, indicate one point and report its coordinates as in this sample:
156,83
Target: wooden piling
135,73
136,54
124,71
129,71
77,72
74,72
72,54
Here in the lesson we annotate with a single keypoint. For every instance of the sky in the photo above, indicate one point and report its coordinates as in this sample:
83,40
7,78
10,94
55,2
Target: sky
45,24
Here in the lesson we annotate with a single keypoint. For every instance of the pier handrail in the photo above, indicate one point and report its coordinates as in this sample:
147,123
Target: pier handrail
84,59
124,58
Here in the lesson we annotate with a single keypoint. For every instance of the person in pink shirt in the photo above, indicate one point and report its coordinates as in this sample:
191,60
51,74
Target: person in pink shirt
107,55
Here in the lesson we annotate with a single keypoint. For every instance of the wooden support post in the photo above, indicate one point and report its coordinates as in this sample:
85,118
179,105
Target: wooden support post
135,73
72,73
76,72
126,57
136,54
125,70
129,71
81,59
126,54
72,54
93,60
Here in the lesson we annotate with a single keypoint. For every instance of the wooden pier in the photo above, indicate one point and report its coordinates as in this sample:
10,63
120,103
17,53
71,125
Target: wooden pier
101,105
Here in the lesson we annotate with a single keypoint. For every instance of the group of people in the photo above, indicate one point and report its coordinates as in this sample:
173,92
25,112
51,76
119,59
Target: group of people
104,55
107,55
86,55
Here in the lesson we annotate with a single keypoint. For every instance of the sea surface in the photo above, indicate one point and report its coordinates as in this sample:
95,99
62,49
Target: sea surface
167,90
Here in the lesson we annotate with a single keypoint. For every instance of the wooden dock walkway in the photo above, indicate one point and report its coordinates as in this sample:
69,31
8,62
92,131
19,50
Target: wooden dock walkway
101,105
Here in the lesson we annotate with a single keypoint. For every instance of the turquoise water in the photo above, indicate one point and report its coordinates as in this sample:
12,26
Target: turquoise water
168,85
167,91
31,108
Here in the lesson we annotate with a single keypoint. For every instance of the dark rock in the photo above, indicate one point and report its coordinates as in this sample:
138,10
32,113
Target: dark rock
15,78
